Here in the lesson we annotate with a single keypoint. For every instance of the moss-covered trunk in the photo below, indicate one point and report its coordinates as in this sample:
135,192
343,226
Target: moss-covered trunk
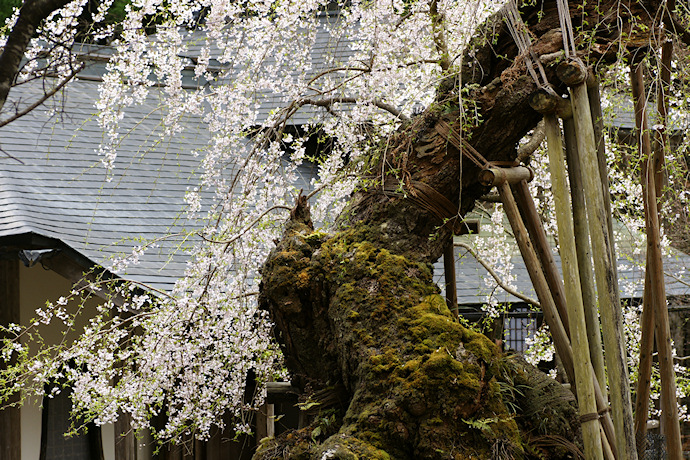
361,321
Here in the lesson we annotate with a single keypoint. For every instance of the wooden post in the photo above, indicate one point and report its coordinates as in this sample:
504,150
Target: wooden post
656,271
449,274
10,417
594,97
607,283
578,328
261,423
648,301
584,253
647,320
125,440
644,371
541,287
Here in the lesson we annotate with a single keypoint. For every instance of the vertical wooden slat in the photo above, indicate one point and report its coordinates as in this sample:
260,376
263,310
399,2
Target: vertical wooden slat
213,445
199,450
270,420
607,283
10,418
261,424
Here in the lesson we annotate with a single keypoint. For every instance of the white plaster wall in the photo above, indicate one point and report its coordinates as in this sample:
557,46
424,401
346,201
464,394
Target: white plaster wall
37,285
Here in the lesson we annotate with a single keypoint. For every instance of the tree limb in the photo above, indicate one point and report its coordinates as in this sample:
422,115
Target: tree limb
526,150
328,102
46,95
30,17
495,276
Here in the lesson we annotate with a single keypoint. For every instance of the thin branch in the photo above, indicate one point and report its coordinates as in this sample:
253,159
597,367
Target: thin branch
495,276
10,156
45,97
679,280
328,102
31,15
248,227
337,69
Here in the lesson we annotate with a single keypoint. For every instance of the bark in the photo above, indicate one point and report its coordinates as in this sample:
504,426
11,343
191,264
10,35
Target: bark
363,328
32,13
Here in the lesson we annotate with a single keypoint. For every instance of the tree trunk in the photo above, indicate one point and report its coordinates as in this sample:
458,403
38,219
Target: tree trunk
362,325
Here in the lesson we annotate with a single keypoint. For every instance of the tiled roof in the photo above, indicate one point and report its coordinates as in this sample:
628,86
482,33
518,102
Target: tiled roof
52,182
331,48
619,113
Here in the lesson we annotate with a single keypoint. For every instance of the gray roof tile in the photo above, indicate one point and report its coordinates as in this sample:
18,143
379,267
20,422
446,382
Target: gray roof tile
59,190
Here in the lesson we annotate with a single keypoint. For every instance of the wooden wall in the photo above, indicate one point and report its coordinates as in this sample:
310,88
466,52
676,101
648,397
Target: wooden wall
10,441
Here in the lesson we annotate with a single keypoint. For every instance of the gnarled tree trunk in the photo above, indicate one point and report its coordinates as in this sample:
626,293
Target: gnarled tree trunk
360,319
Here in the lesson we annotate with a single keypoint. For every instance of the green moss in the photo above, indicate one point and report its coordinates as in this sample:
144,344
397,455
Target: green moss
315,239
353,448
416,373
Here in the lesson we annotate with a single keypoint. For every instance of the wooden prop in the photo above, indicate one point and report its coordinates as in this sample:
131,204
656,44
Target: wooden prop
541,287
10,416
584,252
648,301
644,370
647,319
496,176
607,282
594,97
656,278
578,329
558,332
536,231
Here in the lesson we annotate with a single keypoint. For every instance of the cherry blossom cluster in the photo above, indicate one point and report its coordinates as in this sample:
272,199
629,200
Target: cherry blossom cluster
252,70
187,353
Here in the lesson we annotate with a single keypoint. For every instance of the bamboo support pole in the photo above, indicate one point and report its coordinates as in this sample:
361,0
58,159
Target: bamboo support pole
607,283
584,375
541,287
537,234
584,253
496,176
594,97
655,268
558,332
644,370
